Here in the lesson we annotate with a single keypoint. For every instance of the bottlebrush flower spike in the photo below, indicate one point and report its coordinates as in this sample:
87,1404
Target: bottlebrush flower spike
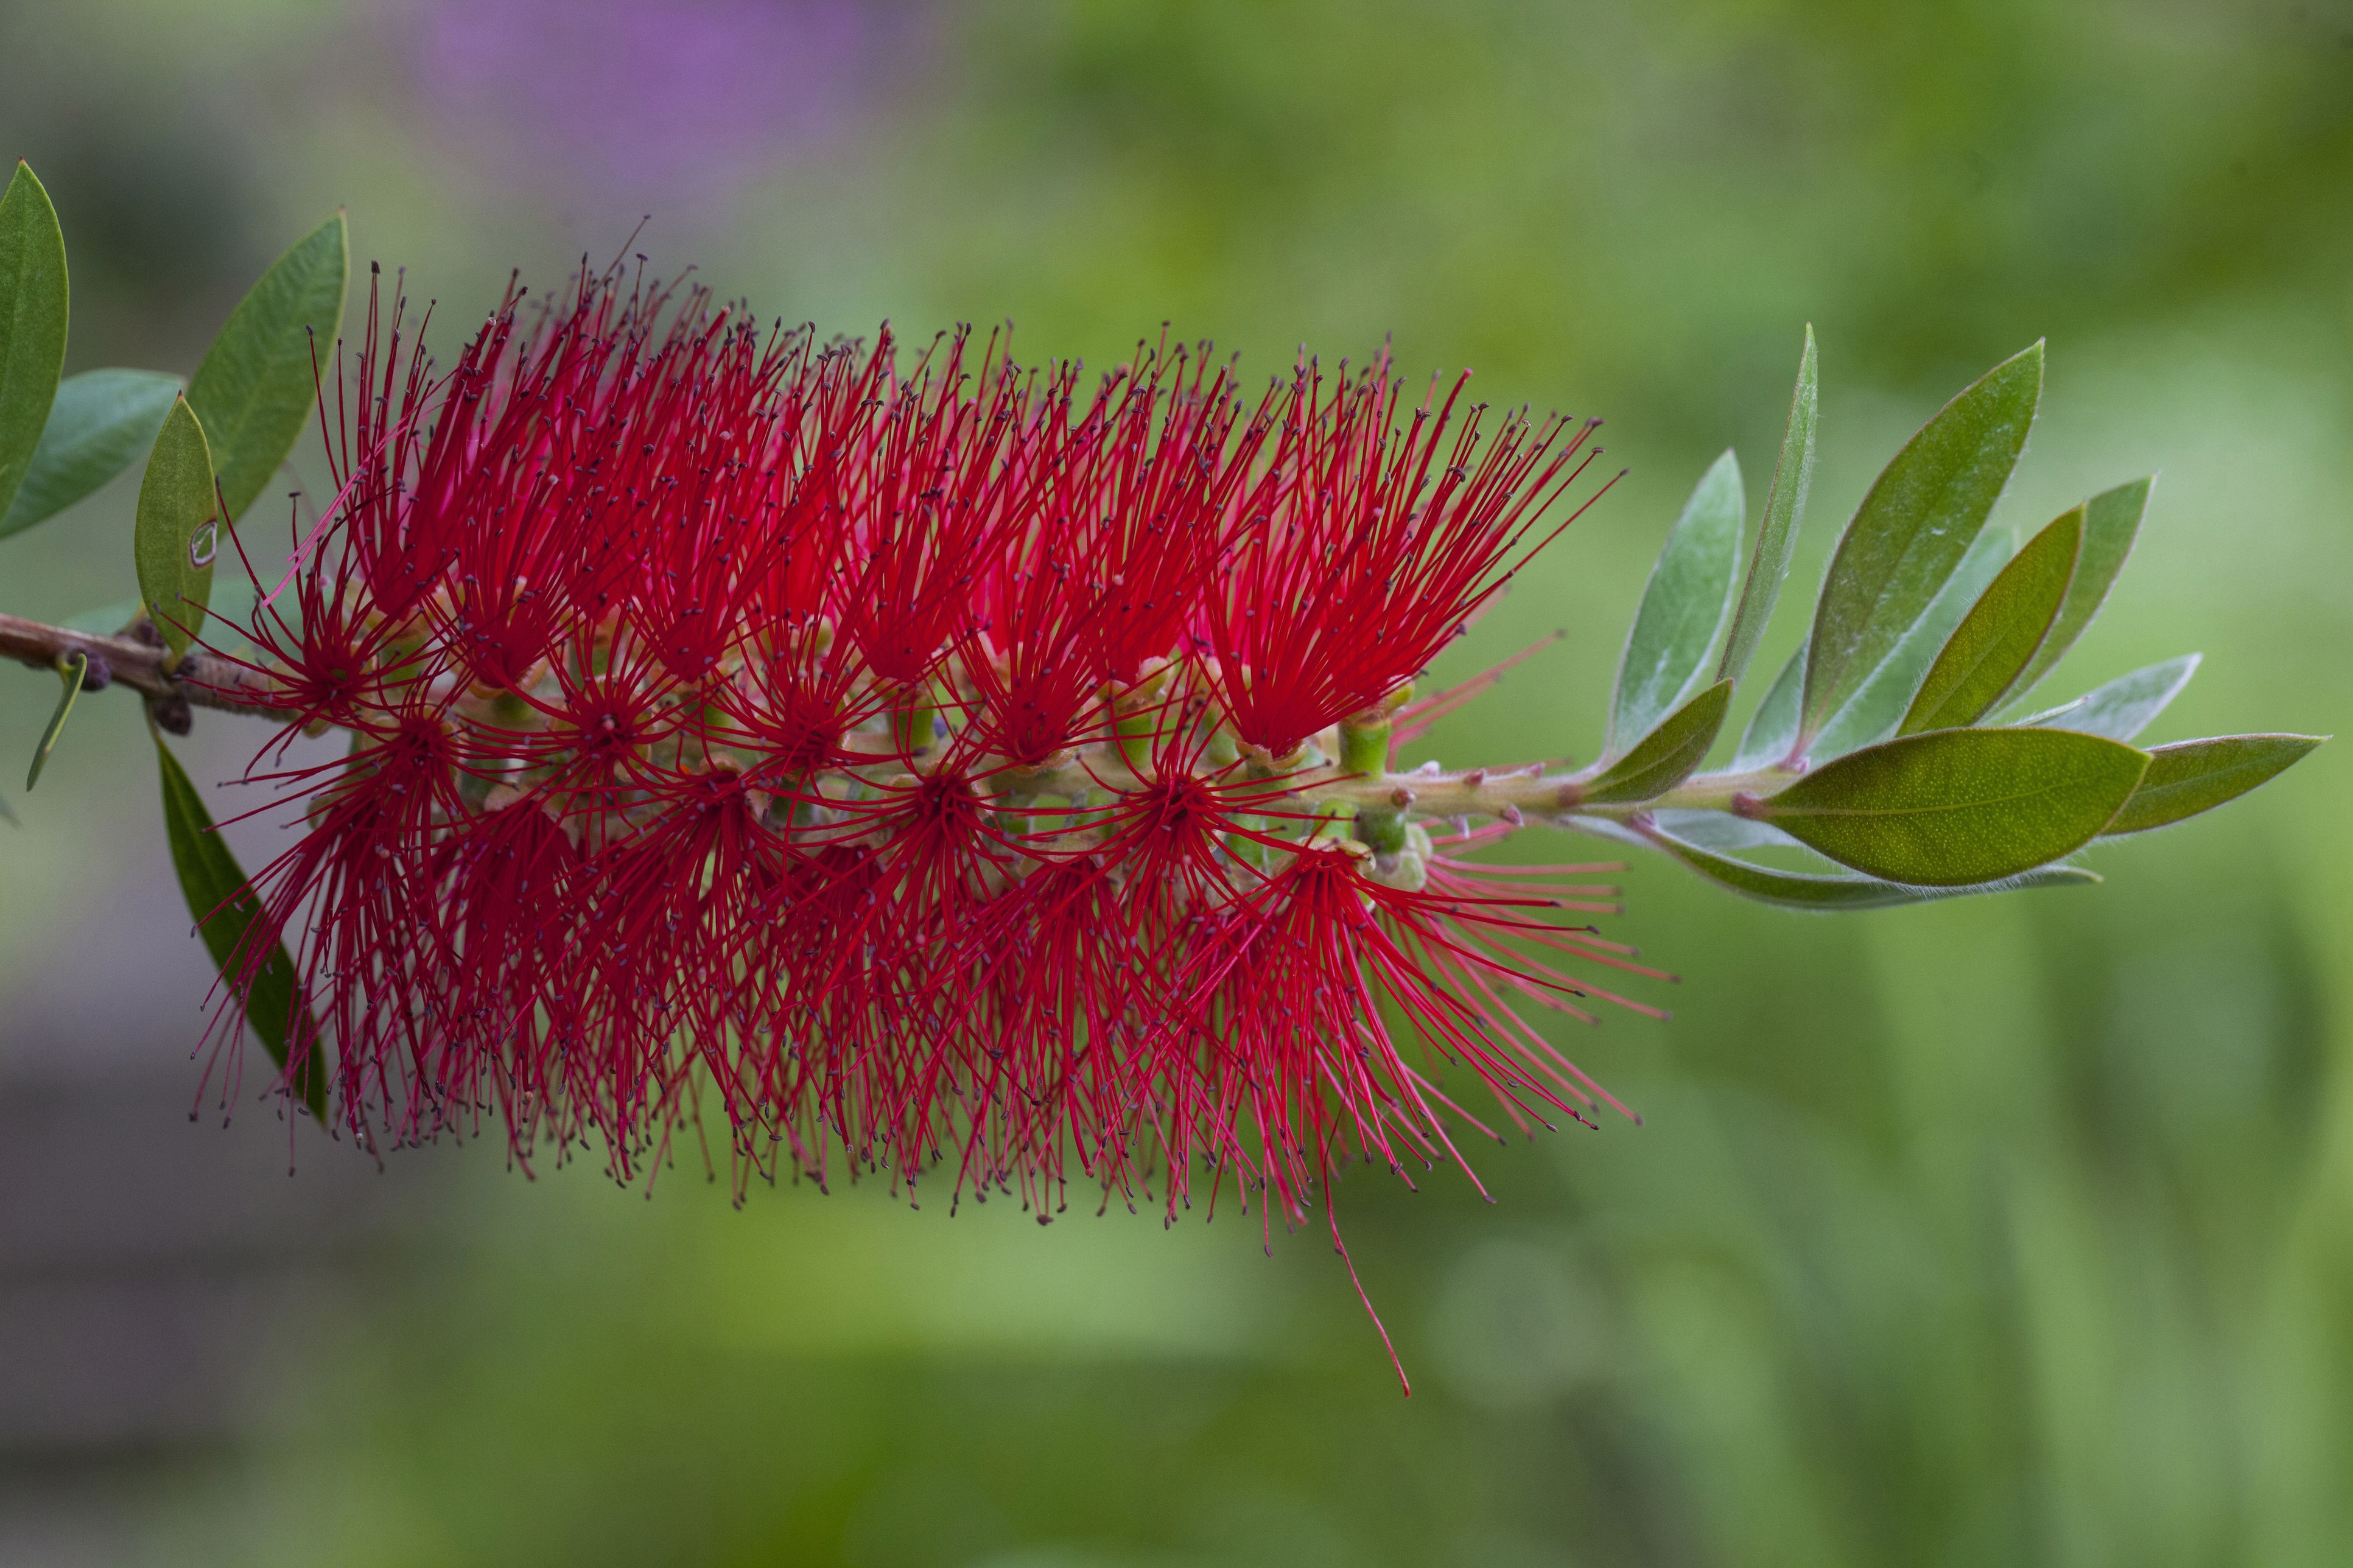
920,764
926,765
866,745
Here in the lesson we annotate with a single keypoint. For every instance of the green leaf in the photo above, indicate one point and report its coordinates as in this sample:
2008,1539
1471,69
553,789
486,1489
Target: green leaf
2191,777
101,421
33,299
1918,521
1667,755
1773,728
228,915
1804,890
72,669
2125,706
2001,631
178,529
257,385
2111,522
1777,530
1684,607
1956,806
7,813
1873,713
1723,832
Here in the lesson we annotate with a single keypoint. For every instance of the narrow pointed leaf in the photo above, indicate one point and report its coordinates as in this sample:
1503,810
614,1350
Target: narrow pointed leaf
2125,706
1667,755
1776,530
102,422
226,915
1720,830
1684,607
257,385
2111,523
2191,777
1872,714
1913,527
1773,727
178,531
72,669
1806,890
33,299
1956,806
1983,658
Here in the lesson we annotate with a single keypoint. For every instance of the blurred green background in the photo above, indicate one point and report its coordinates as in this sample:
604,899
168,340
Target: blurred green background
2006,1231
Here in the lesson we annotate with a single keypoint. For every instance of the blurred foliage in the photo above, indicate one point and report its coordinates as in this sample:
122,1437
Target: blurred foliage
2011,1231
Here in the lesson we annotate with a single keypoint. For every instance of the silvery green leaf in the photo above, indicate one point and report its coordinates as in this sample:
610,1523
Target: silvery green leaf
2125,706
1606,827
1721,830
1807,891
1777,530
1684,608
100,423
1773,728
1879,706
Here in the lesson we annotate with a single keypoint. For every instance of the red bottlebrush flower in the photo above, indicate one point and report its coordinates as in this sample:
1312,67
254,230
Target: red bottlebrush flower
1151,511
922,769
931,494
1361,556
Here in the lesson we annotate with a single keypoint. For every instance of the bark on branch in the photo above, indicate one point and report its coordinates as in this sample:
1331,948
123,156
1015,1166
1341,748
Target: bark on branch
199,678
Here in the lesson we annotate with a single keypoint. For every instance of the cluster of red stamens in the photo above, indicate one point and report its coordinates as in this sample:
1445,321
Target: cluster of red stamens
903,764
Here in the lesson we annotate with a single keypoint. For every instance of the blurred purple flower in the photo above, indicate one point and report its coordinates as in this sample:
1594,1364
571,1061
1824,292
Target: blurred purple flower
681,99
